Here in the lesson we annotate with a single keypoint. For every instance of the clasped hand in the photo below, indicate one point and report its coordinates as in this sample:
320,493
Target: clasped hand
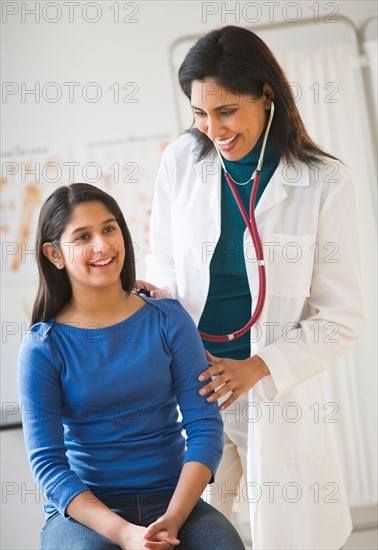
231,375
160,535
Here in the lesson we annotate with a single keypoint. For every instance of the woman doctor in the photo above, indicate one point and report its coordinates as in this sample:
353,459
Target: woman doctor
278,426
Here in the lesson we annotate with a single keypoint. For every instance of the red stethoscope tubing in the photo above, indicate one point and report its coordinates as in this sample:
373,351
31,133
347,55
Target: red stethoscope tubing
250,222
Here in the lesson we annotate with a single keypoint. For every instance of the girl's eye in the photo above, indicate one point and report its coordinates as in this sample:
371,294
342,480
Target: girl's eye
227,113
82,237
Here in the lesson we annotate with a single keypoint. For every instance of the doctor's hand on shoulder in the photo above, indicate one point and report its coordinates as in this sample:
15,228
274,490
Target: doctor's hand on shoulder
152,290
231,375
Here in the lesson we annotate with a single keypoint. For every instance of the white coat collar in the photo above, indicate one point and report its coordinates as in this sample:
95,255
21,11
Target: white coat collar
297,175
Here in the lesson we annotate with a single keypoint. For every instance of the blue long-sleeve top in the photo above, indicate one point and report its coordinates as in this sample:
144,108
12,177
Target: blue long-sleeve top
99,405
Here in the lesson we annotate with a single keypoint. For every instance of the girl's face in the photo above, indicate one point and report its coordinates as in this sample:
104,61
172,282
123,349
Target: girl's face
92,247
234,121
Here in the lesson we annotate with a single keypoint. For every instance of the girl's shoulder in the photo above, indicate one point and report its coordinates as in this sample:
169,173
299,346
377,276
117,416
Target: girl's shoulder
38,334
166,306
36,345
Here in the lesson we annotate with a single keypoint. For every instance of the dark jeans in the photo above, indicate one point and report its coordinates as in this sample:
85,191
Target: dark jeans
205,528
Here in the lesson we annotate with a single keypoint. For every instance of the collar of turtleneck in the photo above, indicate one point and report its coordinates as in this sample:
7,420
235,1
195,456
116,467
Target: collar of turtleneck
241,170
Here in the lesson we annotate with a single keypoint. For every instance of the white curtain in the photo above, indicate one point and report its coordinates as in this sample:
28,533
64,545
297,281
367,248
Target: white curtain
332,102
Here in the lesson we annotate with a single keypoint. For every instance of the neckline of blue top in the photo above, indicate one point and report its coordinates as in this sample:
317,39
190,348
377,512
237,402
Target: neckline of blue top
95,330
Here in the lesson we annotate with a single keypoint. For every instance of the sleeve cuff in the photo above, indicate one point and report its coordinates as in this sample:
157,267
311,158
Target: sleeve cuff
280,379
206,455
62,494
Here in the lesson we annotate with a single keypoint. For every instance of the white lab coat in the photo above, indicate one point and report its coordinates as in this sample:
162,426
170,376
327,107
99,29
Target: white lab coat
313,313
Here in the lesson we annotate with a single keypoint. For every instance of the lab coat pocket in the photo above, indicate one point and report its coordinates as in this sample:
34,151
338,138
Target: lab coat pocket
289,263
292,427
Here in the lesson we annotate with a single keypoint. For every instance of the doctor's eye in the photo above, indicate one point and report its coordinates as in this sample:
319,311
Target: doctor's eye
227,113
109,229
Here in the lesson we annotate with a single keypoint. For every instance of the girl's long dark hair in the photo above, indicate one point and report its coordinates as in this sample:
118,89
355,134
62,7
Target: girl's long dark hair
240,62
54,285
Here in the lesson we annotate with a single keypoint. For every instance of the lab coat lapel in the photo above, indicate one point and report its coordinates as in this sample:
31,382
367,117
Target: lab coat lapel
296,175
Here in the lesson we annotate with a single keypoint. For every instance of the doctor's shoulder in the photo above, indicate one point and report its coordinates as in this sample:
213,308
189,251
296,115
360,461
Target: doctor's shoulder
330,173
182,152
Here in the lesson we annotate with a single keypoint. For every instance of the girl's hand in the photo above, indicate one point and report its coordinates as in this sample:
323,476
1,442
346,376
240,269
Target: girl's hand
231,375
134,537
155,291
130,537
161,535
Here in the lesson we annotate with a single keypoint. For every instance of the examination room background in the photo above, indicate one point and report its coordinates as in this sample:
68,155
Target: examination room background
89,93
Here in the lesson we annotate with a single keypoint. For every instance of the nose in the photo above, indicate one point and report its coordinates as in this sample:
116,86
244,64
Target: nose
98,248
213,127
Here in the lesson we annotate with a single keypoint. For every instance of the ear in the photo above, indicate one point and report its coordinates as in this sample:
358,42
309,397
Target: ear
53,254
269,95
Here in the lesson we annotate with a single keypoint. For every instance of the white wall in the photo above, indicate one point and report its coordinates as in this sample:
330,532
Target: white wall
133,53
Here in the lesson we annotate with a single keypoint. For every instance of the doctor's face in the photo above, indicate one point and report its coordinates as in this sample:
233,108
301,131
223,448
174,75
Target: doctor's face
234,121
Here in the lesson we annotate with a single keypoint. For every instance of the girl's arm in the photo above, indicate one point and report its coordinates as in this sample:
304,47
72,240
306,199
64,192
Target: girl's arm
192,482
91,512
201,420
42,407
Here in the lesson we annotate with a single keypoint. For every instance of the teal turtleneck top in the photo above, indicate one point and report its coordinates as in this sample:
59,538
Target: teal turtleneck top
228,305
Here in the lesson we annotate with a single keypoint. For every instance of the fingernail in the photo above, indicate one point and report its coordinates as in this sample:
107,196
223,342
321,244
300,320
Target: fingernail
211,398
201,378
202,392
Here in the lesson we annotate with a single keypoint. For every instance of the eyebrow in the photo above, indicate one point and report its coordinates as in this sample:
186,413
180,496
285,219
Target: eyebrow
227,105
78,229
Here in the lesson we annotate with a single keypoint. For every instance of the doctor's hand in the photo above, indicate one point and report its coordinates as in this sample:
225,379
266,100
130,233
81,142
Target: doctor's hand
155,292
231,375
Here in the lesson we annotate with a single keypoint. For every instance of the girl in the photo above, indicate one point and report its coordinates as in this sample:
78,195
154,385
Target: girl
100,378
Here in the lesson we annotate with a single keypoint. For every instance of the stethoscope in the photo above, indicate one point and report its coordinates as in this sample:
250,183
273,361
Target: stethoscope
250,222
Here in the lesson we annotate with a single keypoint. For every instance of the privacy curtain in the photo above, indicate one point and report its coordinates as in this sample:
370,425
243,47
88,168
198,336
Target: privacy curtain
332,102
